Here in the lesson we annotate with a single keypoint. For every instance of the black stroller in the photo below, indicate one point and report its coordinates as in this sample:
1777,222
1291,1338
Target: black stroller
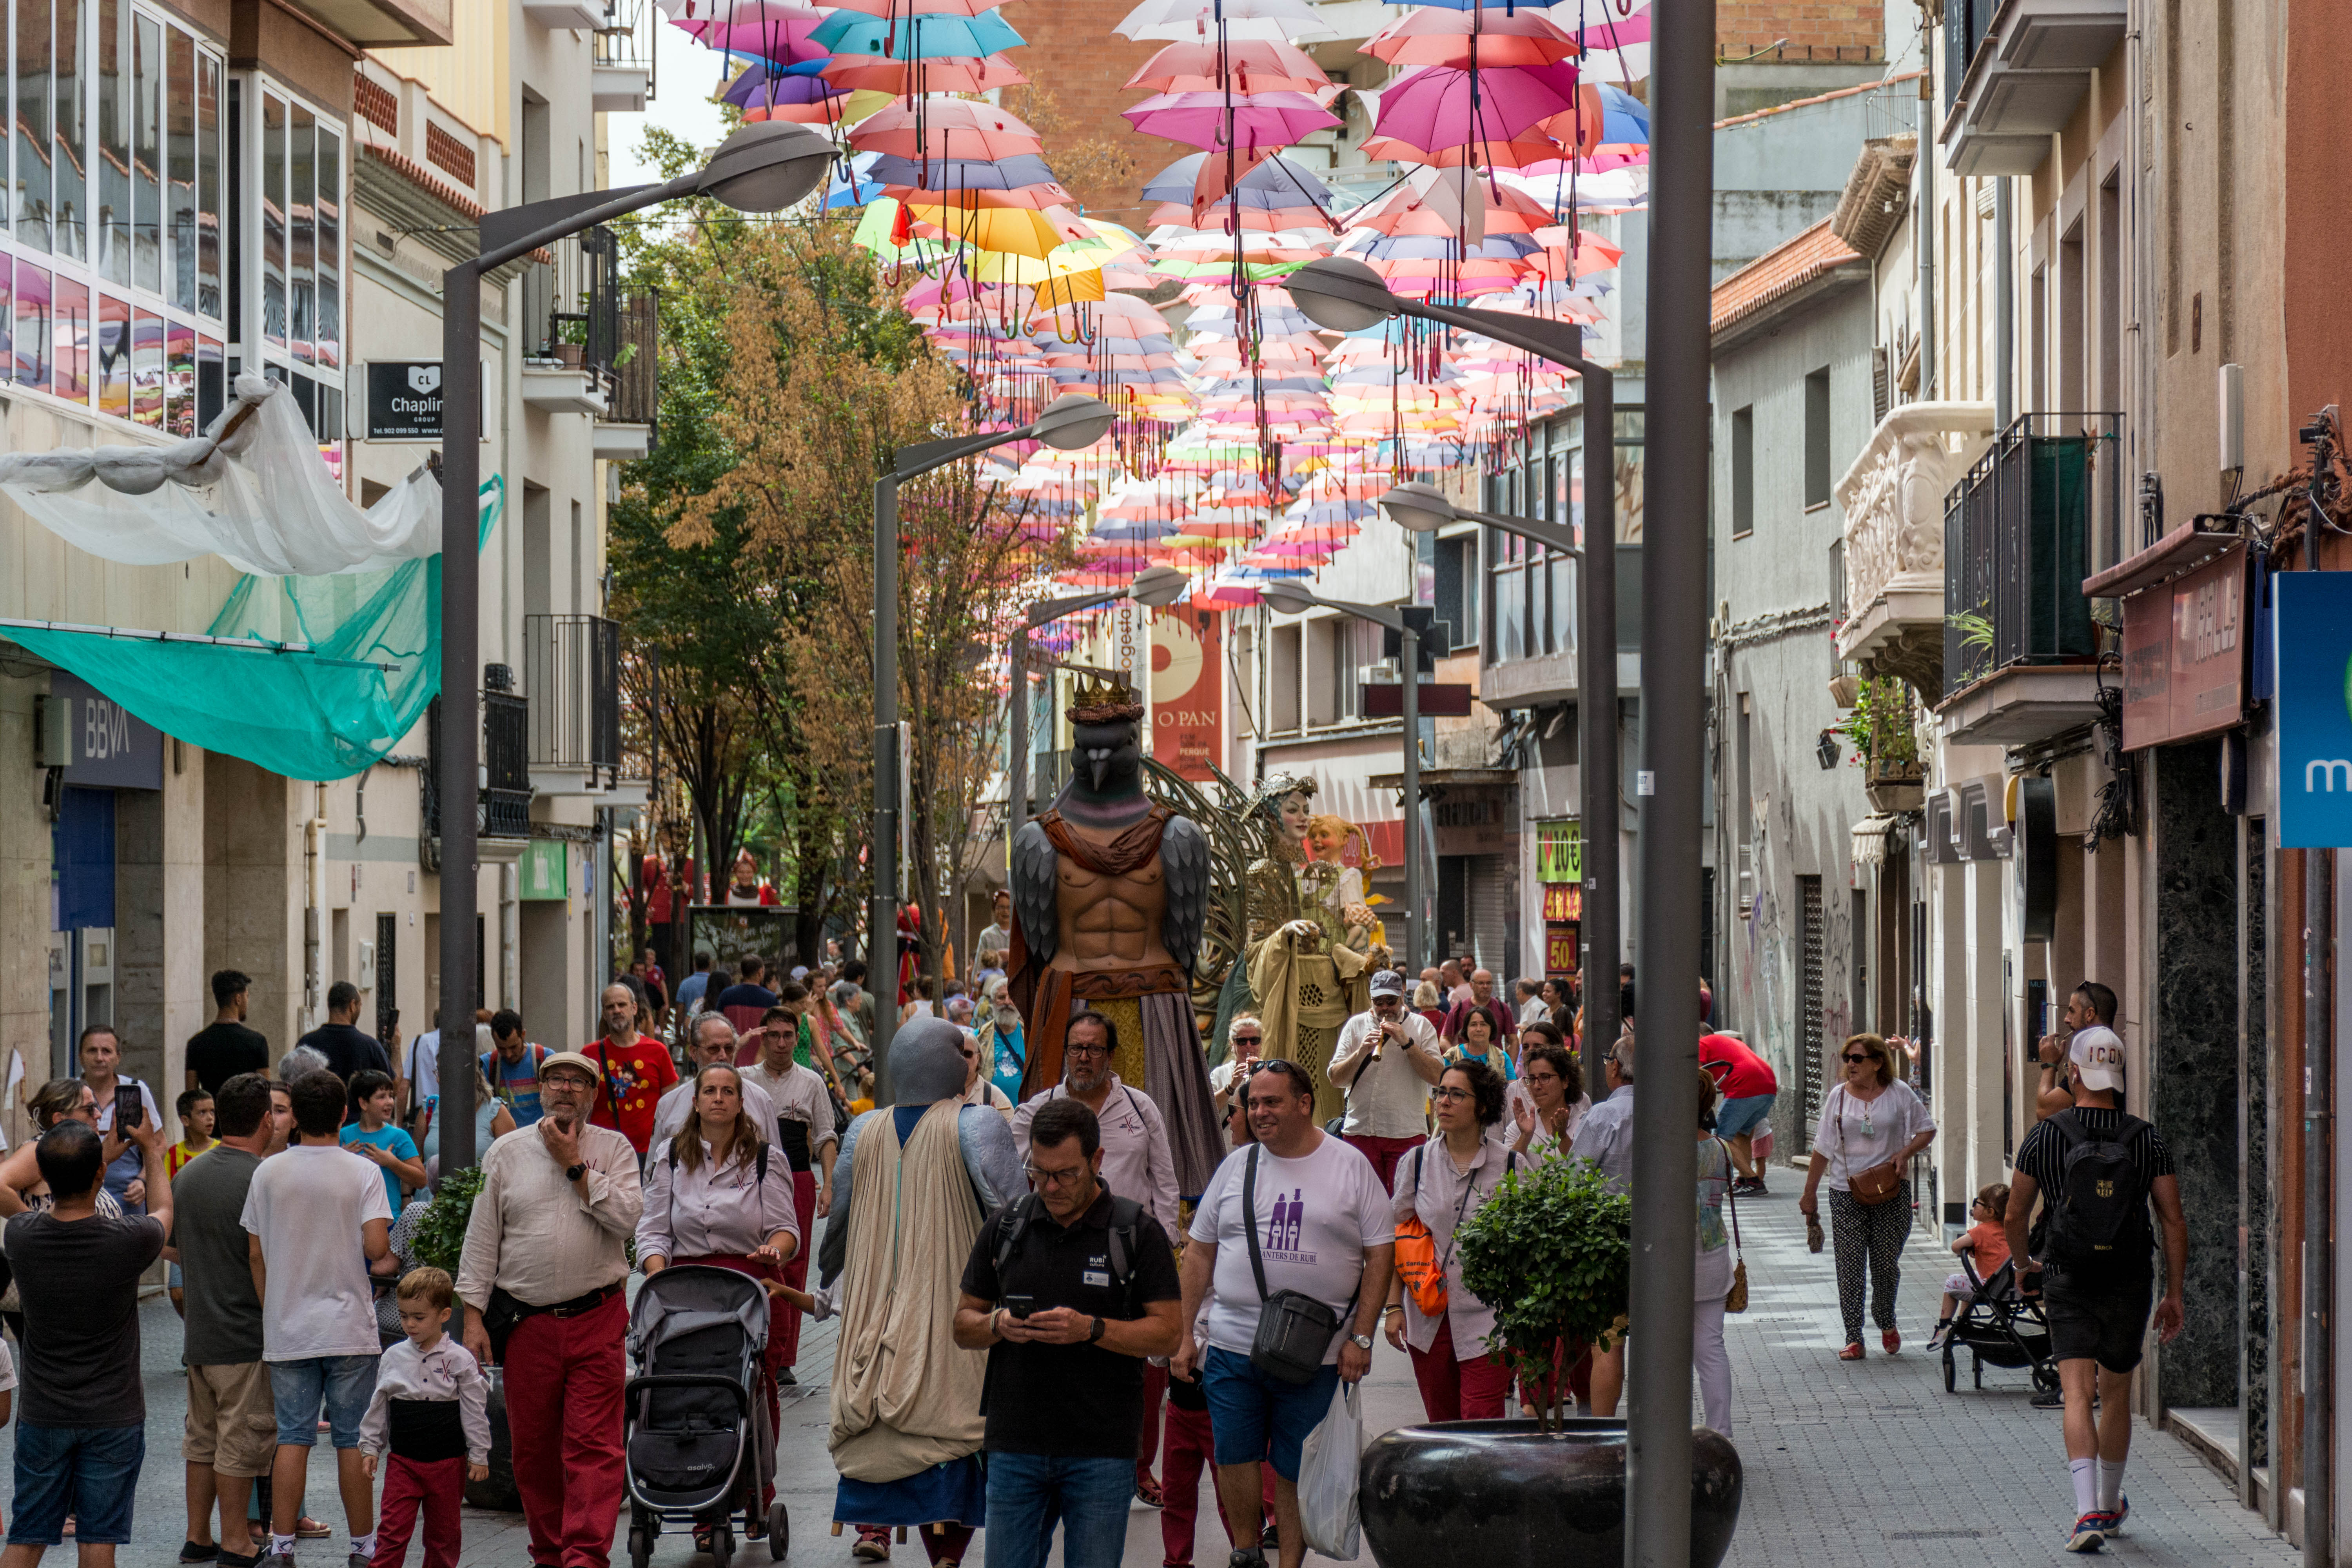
1997,1325
696,1431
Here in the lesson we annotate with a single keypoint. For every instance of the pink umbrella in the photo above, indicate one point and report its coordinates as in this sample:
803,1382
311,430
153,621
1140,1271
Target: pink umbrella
1213,120
1430,108
1263,57
958,73
951,127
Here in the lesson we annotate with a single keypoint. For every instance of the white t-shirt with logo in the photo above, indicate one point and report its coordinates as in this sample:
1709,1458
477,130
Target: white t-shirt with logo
1316,1215
306,1206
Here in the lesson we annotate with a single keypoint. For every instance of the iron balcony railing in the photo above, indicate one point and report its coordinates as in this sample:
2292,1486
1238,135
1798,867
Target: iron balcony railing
571,679
503,810
2038,513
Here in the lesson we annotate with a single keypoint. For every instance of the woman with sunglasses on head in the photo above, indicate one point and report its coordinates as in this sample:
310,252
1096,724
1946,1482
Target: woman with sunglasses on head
1442,1184
1871,1126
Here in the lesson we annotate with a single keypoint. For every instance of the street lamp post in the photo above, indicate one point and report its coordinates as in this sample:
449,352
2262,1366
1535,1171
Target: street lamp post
1068,423
760,169
1341,294
1290,598
1424,509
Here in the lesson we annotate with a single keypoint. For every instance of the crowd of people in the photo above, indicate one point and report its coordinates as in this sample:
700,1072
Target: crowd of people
1037,1328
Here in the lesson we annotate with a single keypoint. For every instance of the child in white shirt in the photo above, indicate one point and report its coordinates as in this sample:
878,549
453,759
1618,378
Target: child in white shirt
432,1404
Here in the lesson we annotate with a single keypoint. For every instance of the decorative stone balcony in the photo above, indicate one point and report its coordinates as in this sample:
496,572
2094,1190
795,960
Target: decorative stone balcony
1893,497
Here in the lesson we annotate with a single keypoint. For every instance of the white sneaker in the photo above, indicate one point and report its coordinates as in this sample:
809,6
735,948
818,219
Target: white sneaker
2088,1536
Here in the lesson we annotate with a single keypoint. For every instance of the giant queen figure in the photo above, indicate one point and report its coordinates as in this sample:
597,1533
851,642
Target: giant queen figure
1110,894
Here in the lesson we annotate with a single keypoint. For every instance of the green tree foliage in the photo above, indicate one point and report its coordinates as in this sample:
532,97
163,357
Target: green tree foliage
1552,1252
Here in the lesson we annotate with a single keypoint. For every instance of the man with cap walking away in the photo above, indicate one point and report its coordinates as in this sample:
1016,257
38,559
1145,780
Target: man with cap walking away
1387,1061
911,1185
545,1256
2096,1168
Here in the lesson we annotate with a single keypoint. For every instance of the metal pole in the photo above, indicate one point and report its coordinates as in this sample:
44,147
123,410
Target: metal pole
1596,720
2318,1262
1673,718
2004,310
461,718
1016,771
882,909
1409,644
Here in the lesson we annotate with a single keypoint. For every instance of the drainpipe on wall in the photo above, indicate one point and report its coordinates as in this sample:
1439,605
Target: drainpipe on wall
2319,1120
314,913
509,937
1925,164
2004,311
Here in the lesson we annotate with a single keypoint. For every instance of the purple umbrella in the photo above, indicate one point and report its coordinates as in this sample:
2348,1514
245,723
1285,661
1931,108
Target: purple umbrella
1258,120
1430,108
759,87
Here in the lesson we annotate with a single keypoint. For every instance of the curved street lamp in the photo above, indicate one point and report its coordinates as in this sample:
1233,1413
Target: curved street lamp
1341,294
760,168
1070,422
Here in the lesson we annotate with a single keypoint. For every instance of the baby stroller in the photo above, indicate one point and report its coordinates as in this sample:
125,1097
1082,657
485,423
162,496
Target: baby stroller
1997,1325
695,1432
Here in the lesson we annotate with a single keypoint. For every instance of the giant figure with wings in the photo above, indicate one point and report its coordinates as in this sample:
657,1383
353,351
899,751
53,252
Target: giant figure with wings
1110,893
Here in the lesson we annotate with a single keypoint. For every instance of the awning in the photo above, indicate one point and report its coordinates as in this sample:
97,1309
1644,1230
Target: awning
1876,839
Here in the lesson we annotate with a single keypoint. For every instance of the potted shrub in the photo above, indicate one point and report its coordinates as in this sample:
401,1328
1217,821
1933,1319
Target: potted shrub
440,1240
1552,1252
1885,744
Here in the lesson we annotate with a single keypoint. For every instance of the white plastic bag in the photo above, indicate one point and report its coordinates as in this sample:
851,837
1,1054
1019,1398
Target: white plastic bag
1327,1478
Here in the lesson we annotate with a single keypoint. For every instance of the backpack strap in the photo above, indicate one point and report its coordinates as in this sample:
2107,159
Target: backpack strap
1011,1229
762,1178
1126,1222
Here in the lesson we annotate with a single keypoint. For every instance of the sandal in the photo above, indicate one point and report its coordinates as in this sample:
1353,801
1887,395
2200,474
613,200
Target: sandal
702,1538
308,1529
1891,1341
1147,1492
1851,1352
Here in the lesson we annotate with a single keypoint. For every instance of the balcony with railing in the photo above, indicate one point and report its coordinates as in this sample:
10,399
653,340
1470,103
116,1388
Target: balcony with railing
503,812
1892,622
2036,515
572,680
590,347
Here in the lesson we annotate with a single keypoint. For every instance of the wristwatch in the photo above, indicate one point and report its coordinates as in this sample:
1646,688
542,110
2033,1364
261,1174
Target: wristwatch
1096,1332
573,1173
1362,1341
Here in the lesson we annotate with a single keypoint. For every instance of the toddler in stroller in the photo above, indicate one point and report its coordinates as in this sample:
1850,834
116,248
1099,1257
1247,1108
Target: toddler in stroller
1983,1313
1982,1249
696,1437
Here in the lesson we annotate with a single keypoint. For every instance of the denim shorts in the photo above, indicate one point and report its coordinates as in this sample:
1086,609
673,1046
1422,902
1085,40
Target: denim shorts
343,1384
1254,1416
90,1473
1735,1118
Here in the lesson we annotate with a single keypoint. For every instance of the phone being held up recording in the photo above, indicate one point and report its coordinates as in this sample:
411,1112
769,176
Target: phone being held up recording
129,1110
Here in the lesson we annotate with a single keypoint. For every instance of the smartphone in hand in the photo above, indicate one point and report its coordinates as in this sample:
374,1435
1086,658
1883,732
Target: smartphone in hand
129,1110
1020,1306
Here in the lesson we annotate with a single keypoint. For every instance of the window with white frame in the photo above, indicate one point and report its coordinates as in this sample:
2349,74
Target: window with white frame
111,264
286,248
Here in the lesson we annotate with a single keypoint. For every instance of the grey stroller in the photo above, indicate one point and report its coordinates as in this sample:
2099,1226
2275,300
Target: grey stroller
695,1433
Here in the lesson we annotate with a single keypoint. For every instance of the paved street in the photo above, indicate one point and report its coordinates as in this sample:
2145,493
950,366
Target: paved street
1852,1464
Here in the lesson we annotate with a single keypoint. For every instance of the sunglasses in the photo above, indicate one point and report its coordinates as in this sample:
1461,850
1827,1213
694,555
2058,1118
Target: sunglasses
1860,1057
1247,1040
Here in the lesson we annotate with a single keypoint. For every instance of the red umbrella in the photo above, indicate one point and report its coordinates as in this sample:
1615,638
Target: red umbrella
1431,37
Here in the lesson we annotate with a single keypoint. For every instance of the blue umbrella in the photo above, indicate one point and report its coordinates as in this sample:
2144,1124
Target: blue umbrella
964,173
1277,183
924,37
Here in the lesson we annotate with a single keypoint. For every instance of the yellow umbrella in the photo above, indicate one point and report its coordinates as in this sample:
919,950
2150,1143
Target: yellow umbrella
1015,231
1069,288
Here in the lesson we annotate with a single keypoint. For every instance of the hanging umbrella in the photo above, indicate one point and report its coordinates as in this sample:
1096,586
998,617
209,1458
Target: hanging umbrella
914,37
950,127
768,30
908,7
948,74
762,85
1237,19
1213,120
1430,107
1431,36
1283,65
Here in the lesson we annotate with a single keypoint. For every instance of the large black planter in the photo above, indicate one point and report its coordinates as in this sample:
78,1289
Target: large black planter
1504,1494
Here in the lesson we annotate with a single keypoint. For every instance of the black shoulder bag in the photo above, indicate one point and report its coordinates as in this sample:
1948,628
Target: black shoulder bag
1294,1328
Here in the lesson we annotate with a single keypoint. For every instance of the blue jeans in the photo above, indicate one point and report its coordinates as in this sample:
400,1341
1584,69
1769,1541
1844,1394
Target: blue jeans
343,1384
90,1472
1027,1494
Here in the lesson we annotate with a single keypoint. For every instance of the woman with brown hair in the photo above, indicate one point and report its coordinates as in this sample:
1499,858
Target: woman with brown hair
1871,1126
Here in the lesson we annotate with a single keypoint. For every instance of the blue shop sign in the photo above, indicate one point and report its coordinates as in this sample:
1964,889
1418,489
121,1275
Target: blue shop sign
2312,633
103,747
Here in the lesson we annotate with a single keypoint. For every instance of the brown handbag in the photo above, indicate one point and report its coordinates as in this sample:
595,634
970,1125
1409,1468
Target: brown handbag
1874,1186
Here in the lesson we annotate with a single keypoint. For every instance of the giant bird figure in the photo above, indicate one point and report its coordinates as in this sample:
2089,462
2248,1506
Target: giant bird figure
1110,892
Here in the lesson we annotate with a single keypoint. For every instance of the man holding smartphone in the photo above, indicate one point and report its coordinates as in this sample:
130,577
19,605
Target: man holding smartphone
1068,1289
122,1100
1387,1061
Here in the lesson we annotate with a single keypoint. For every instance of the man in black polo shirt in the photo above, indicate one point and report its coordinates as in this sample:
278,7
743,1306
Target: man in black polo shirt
2096,1168
1068,1289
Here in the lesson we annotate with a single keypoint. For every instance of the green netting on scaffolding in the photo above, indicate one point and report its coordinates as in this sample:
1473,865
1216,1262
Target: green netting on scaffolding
372,666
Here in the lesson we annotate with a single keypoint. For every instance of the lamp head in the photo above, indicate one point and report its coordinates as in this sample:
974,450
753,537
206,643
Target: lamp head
1341,294
767,167
1159,586
1286,597
1072,421
1417,508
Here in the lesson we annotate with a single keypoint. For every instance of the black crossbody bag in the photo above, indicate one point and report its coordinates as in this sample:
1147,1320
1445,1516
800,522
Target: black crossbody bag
1294,1328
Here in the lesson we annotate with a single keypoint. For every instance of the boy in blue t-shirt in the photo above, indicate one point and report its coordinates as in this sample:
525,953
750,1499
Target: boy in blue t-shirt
373,1136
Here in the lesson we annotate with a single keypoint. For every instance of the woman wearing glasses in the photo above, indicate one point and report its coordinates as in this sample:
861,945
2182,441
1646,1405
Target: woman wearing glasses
1871,1128
1443,1182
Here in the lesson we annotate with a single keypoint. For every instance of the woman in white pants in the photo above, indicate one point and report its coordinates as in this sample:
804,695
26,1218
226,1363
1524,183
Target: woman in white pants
1712,1276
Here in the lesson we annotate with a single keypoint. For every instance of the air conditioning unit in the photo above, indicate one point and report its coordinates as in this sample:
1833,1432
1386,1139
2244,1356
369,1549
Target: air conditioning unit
1387,672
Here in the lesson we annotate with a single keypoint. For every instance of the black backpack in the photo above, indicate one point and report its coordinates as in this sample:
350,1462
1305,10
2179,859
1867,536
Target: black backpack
1127,1220
2098,1228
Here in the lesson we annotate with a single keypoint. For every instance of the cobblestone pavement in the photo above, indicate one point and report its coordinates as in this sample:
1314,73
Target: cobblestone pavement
1864,1463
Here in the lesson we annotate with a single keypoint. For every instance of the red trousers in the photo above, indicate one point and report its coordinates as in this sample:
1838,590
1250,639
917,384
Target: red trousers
1155,1397
1385,1154
437,1486
1191,1448
1456,1390
563,1378
783,1322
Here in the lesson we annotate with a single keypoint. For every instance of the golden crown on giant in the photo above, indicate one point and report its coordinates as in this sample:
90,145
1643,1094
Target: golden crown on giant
1102,692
